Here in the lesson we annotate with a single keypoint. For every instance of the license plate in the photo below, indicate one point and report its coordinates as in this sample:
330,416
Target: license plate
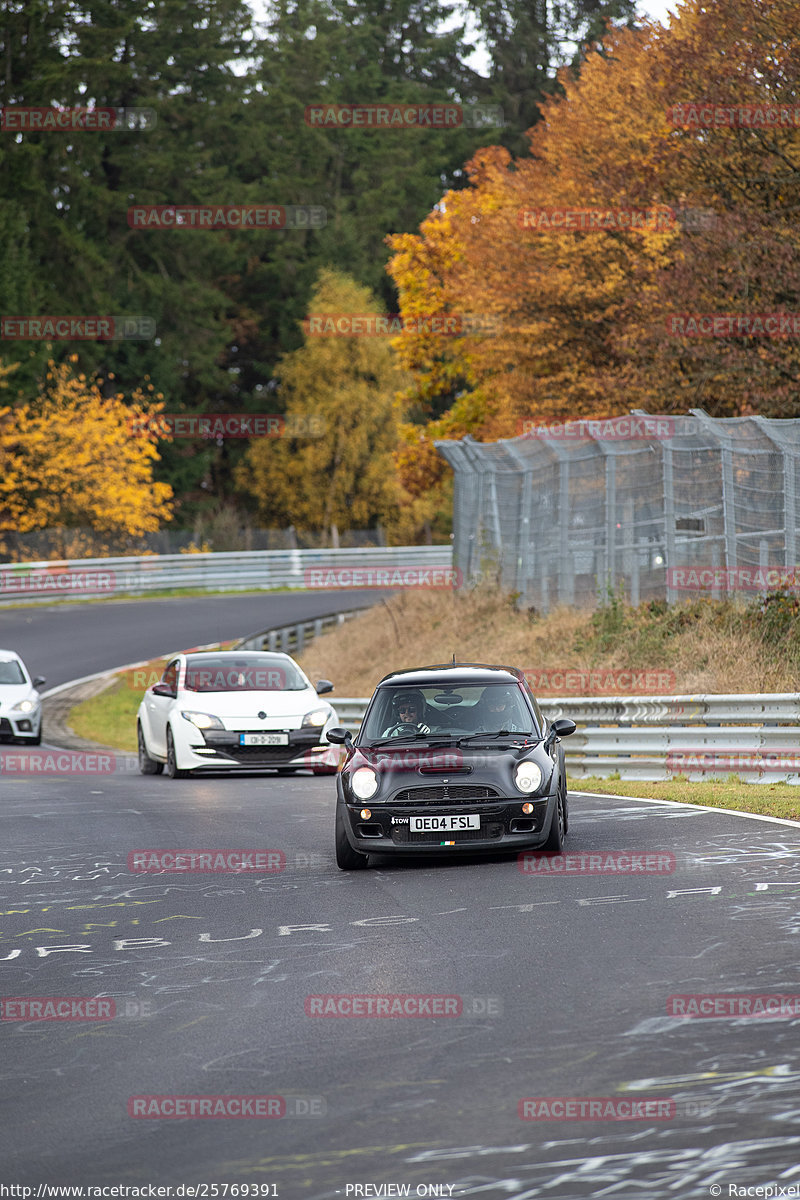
263,739
444,824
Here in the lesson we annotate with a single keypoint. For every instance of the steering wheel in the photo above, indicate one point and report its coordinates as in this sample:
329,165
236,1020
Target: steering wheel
402,727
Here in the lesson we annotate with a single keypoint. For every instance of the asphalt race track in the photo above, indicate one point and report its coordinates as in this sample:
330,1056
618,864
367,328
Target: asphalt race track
67,641
557,986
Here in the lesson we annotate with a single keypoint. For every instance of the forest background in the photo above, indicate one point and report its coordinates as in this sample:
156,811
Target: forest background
566,323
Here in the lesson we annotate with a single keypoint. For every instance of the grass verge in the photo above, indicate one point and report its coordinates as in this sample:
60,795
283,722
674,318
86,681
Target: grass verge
108,718
766,799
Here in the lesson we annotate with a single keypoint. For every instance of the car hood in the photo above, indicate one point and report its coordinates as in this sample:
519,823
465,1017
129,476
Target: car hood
420,766
12,693
248,704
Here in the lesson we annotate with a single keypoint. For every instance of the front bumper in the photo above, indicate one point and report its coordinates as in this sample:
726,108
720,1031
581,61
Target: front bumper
218,749
20,725
503,826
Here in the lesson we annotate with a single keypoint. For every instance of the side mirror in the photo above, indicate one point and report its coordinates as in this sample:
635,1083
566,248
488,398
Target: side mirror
563,727
340,736
323,686
163,689
39,680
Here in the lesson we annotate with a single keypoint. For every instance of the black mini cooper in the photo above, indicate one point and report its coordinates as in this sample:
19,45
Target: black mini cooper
448,759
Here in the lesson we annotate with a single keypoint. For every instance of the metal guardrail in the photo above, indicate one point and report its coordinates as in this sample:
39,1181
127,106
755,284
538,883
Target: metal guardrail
707,736
252,570
292,639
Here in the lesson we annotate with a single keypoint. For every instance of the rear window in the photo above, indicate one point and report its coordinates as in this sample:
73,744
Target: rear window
11,672
245,673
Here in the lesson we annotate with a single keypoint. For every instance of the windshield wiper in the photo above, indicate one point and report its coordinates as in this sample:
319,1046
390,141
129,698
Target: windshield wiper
471,737
400,739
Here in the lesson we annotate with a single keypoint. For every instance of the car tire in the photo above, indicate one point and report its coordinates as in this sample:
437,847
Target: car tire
37,741
324,770
173,770
347,859
555,838
147,765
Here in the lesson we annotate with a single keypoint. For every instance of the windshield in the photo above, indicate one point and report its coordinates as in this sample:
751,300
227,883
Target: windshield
11,672
404,711
242,673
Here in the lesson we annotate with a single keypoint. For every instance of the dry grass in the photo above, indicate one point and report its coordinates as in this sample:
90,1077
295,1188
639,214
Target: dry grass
709,646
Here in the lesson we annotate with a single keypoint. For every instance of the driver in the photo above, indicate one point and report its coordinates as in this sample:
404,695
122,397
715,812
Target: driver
408,708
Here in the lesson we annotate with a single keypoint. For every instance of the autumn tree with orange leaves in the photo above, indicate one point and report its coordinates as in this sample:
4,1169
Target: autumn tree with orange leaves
586,318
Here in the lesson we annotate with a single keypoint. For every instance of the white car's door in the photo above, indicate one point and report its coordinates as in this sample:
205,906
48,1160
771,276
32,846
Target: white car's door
160,706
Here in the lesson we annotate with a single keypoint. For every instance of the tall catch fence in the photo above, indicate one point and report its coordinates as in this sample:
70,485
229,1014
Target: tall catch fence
655,506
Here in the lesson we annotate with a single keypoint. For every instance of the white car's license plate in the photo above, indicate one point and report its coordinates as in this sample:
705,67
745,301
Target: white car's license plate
263,739
444,824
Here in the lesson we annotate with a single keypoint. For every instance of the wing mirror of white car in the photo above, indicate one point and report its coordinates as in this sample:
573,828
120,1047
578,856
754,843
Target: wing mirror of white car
163,689
323,686
340,736
39,681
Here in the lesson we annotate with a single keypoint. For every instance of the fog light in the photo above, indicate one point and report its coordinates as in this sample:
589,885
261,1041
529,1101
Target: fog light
527,808
366,813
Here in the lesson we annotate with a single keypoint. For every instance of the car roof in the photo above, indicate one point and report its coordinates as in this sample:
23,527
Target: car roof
458,675
10,654
237,654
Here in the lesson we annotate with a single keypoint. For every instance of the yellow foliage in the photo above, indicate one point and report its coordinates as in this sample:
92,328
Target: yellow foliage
69,459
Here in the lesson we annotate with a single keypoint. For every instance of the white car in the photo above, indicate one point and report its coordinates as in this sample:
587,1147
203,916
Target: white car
235,709
20,703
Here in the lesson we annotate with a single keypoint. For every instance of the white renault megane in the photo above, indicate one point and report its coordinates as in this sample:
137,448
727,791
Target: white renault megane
20,703
235,709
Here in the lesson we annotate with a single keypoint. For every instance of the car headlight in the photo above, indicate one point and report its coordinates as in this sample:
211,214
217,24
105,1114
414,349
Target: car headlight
317,717
203,720
25,706
528,777
364,783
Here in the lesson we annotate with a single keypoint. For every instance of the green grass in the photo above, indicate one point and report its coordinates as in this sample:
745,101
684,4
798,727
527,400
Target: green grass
109,718
767,799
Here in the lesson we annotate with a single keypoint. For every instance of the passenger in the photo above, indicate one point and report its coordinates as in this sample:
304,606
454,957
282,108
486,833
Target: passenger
503,711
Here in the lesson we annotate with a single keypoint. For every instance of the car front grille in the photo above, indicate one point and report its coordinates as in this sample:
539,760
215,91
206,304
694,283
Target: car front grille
5,727
441,793
403,837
